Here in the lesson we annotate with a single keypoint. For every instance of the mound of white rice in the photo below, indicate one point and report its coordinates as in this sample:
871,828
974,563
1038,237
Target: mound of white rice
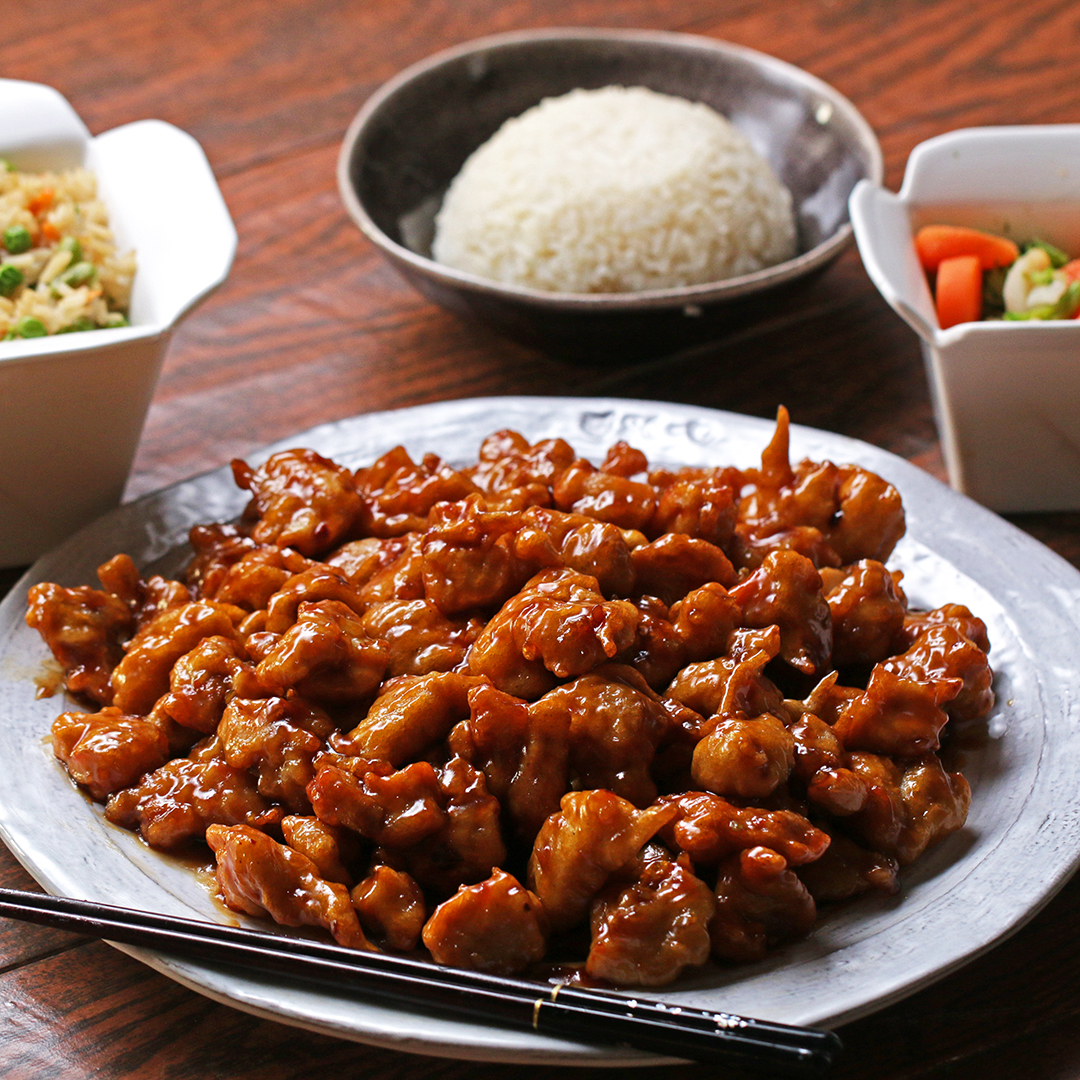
615,190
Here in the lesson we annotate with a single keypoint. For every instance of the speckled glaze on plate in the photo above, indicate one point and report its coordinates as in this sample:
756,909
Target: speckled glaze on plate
1019,846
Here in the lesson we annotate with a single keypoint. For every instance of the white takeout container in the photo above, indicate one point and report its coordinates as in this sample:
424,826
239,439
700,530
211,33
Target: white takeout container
72,407
1006,394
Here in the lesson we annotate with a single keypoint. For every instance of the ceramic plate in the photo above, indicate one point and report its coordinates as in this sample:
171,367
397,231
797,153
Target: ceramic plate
1019,846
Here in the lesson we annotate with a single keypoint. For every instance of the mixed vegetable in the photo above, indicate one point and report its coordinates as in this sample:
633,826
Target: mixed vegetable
977,275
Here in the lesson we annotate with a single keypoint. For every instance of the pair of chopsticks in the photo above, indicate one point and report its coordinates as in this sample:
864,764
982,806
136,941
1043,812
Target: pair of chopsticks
589,1015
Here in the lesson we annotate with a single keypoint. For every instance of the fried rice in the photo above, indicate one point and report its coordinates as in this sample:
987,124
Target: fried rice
60,270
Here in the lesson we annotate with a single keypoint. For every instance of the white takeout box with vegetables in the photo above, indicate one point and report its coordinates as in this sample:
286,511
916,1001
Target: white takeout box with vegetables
72,406
1006,393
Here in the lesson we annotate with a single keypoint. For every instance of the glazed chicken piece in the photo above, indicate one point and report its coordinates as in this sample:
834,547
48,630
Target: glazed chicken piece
85,629
942,653
846,870
605,494
173,805
325,656
827,700
391,908
328,847
816,744
709,828
109,750
647,932
392,808
744,757
468,843
398,494
410,716
203,680
956,615
579,848
142,676
698,627
361,560
936,803
278,739
867,610
145,599
301,500
592,547
402,578
258,876
217,547
316,583
419,637
696,502
442,827
253,579
785,591
674,565
557,627
657,652
616,724
733,683
821,762
870,517
477,558
897,714
513,472
523,750
624,460
834,515
909,808
784,508
496,925
760,903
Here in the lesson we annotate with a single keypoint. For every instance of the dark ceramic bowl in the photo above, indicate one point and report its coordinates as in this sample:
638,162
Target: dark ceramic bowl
411,138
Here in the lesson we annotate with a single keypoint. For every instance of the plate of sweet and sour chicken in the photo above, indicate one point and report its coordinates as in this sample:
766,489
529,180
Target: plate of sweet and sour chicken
531,714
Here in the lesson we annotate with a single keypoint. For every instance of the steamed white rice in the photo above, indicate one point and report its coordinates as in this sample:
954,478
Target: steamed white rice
615,190
58,209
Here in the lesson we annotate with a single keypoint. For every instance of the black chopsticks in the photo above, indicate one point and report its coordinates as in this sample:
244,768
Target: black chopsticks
592,1016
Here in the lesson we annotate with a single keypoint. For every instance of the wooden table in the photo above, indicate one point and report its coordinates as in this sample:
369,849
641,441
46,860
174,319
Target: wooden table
313,326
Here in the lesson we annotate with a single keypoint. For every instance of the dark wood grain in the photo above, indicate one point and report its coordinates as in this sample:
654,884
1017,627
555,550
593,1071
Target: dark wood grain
313,326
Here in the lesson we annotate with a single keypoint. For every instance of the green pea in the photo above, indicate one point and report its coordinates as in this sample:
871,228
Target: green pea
83,322
114,320
78,274
71,243
29,327
11,277
17,239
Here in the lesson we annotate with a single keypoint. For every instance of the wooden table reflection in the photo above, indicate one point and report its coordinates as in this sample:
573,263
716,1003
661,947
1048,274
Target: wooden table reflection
313,326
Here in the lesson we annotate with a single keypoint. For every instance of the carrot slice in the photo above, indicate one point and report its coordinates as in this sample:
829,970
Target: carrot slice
936,242
50,231
959,290
40,202
1071,270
